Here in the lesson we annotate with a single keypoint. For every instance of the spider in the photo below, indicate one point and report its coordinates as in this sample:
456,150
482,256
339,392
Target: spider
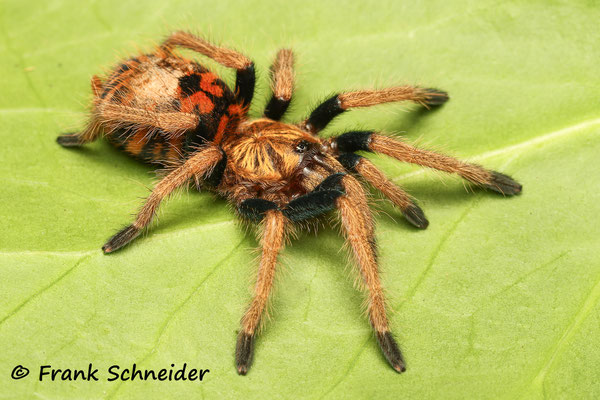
166,109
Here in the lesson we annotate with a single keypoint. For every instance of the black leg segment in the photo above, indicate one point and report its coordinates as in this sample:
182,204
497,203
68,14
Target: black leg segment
350,142
276,108
244,85
318,202
332,182
311,205
349,161
255,209
323,114
214,179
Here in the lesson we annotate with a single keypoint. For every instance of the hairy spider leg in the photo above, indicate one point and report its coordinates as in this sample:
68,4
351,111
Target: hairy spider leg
313,204
172,122
367,170
198,165
282,84
373,142
113,116
272,243
358,227
245,76
324,113
92,130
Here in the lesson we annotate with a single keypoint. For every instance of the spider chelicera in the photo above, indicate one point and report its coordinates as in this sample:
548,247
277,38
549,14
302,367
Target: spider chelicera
165,109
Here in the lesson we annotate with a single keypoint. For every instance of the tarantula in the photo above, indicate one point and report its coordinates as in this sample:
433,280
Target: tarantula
163,108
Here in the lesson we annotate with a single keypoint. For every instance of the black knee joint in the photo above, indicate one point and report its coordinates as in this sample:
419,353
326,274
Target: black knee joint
255,209
324,113
354,141
332,182
311,205
276,108
214,178
244,84
318,202
349,160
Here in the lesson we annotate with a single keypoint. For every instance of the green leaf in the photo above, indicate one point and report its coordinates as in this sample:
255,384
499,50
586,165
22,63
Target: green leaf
498,298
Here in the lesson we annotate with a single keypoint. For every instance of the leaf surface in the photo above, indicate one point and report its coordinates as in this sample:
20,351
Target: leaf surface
498,298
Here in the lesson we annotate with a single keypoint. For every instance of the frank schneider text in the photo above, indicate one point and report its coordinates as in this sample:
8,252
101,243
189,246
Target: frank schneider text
117,373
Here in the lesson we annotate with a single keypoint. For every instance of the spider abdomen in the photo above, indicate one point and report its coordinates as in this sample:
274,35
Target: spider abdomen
166,83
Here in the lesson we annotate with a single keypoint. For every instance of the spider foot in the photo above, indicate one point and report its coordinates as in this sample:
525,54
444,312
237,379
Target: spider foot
119,240
503,184
434,97
391,351
69,140
244,351
415,216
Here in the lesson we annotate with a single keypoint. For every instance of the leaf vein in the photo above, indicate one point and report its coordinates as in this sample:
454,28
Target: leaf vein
588,304
436,252
484,302
176,310
308,303
351,365
45,288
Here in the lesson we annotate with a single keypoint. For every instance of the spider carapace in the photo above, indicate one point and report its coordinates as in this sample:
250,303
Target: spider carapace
171,111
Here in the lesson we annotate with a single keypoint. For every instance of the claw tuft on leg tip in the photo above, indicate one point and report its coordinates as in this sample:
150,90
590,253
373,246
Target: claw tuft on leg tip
435,97
123,237
244,351
391,351
415,215
69,140
400,368
504,184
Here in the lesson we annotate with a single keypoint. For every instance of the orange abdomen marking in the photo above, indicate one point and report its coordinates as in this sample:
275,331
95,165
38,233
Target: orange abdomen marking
136,142
209,84
148,145
199,101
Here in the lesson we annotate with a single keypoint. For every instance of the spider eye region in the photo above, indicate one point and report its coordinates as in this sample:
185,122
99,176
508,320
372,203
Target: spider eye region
302,146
